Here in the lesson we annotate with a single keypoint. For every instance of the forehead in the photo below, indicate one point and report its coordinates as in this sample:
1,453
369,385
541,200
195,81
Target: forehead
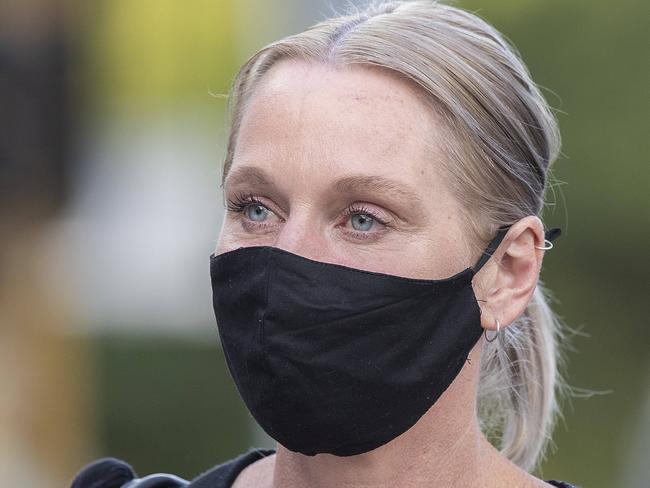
312,118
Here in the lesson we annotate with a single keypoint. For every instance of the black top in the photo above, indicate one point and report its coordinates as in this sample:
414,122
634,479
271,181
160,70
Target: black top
114,473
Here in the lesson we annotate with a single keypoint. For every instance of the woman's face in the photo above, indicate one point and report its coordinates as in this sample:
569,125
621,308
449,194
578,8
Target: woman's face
332,165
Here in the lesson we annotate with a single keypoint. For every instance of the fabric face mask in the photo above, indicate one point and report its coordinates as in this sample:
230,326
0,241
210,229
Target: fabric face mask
334,359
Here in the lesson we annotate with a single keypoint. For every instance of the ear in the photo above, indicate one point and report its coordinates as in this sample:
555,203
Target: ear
512,283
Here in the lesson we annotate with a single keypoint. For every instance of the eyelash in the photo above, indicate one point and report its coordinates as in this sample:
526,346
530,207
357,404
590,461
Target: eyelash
242,200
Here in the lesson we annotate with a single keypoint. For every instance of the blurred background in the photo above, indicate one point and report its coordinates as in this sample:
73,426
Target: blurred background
111,141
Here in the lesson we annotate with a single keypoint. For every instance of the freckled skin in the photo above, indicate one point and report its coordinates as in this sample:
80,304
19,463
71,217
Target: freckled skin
309,125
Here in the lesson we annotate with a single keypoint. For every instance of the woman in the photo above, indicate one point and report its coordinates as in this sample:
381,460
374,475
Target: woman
376,279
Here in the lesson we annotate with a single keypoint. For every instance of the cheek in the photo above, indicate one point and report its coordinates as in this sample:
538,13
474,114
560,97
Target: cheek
225,242
432,258
411,256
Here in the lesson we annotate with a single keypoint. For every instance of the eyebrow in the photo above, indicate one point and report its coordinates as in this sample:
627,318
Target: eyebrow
247,174
346,184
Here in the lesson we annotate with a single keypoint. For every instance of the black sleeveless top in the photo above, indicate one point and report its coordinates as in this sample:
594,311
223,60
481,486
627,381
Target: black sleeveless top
114,473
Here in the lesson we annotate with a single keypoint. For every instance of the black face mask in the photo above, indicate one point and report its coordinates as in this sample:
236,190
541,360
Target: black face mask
333,359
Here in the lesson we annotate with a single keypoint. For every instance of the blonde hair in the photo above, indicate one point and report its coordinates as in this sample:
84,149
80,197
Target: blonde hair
503,139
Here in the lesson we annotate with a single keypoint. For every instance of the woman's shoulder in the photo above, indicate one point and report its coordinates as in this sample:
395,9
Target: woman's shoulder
115,473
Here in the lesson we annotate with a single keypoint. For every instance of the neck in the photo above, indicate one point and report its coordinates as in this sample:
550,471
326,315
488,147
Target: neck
444,448
436,464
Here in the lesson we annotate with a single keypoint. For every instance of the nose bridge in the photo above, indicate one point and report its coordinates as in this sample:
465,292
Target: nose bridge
302,234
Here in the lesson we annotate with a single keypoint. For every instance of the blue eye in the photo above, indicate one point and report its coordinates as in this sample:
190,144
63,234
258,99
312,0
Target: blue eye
362,222
257,213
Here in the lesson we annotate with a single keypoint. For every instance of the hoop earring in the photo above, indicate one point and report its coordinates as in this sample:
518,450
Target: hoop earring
485,332
548,245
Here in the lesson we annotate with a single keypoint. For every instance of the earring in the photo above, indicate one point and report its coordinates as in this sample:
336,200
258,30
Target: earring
548,245
485,332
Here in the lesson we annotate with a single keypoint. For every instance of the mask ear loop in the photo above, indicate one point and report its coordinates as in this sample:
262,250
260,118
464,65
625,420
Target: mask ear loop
487,254
549,236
